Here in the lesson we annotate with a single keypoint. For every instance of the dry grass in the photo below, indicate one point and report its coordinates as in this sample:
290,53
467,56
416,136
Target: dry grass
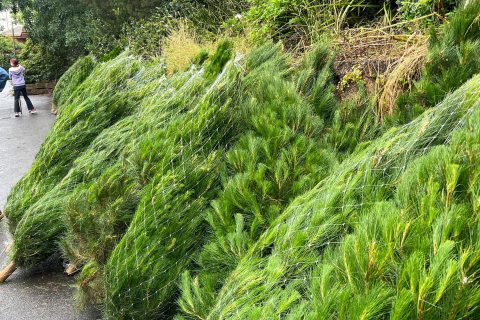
374,51
240,44
389,58
405,71
183,44
180,47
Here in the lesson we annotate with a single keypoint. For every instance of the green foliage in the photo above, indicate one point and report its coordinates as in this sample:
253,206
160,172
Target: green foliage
115,15
35,200
104,197
353,122
216,192
218,60
91,195
274,160
99,208
412,251
112,54
63,31
145,36
142,26
200,58
315,81
6,50
391,233
409,10
182,178
452,60
299,22
90,279
59,31
71,79
40,65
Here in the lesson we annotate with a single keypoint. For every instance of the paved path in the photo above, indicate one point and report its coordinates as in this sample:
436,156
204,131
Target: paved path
45,293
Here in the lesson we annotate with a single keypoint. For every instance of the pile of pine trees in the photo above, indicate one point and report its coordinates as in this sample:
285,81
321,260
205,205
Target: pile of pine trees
220,192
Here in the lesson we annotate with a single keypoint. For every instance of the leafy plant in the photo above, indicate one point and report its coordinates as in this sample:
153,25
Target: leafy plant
241,187
299,22
72,79
388,234
409,10
274,160
451,62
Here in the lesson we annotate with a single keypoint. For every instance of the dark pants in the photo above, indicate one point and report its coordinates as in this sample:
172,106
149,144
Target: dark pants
22,90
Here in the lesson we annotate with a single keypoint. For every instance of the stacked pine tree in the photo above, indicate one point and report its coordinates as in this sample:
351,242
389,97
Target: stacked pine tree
218,192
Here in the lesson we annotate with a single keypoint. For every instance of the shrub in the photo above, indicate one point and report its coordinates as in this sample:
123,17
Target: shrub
299,22
40,64
72,79
409,10
179,48
6,51
390,233
35,200
451,62
146,36
59,32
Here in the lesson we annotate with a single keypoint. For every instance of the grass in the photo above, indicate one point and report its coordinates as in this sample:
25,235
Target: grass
179,48
401,78
183,46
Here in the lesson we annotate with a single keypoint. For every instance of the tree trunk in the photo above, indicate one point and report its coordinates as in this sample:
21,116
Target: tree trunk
71,269
7,272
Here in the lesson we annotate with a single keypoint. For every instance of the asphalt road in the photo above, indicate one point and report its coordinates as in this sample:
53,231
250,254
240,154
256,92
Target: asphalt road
43,293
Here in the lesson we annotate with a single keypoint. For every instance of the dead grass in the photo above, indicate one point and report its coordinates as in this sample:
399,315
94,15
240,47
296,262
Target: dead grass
372,50
389,59
180,47
405,71
183,44
240,44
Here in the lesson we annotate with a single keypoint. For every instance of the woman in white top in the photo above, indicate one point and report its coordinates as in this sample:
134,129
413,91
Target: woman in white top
17,74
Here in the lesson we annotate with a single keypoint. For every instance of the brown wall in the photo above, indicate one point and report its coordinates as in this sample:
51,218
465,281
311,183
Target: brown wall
42,87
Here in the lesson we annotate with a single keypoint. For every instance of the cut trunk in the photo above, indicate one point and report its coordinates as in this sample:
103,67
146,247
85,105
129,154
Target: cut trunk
71,269
7,272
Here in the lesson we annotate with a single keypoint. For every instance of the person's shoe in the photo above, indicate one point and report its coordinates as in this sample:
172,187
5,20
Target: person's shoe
32,111
17,114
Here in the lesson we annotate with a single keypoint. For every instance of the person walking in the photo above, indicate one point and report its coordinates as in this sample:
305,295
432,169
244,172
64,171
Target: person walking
17,74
